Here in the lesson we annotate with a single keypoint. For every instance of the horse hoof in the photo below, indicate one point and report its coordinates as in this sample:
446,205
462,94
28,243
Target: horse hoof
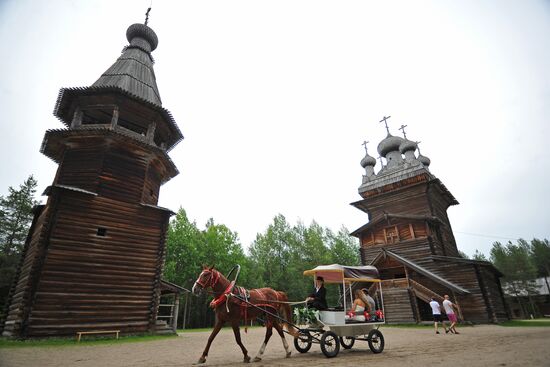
257,359
246,359
288,354
201,360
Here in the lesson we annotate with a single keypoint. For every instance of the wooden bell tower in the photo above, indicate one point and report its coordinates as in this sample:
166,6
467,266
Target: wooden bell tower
94,255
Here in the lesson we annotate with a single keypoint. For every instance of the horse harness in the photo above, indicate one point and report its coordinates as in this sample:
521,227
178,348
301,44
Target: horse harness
241,297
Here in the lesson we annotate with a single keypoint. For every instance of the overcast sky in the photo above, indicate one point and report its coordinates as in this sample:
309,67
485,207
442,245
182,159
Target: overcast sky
275,98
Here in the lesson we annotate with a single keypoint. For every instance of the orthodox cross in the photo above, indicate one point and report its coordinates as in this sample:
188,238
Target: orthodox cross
365,145
402,128
381,163
418,146
147,15
386,123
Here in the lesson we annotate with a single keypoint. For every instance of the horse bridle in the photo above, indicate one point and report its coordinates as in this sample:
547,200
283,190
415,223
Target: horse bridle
213,279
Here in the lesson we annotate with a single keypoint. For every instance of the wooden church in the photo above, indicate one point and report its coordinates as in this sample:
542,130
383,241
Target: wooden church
410,240
94,254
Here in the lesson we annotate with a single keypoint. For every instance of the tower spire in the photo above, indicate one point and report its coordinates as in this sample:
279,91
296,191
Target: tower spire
402,128
147,15
385,118
365,145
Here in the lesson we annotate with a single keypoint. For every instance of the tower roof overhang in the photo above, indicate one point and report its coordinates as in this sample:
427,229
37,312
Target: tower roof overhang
53,145
65,107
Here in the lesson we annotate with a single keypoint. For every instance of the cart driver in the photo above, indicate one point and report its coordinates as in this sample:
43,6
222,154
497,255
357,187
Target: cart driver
317,299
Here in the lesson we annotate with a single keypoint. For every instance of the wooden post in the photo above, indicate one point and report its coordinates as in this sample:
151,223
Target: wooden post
114,119
459,310
175,310
411,229
77,118
151,132
185,309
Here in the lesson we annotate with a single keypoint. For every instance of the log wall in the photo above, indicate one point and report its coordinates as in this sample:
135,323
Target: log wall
21,290
89,281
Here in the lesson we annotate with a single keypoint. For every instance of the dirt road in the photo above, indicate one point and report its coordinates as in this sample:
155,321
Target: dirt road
486,345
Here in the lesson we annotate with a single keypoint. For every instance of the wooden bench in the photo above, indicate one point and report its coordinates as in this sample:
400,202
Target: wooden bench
80,333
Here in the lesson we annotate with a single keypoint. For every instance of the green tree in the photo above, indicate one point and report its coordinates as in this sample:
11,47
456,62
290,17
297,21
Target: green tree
343,248
540,254
480,256
15,220
187,249
515,262
16,216
280,255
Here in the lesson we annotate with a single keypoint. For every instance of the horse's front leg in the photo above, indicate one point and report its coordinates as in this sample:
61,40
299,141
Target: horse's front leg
237,332
217,328
279,329
268,333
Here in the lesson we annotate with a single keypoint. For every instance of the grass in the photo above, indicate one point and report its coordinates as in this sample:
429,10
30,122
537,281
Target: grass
86,340
92,340
527,322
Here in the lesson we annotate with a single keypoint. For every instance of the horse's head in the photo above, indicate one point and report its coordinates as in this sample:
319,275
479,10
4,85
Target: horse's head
207,279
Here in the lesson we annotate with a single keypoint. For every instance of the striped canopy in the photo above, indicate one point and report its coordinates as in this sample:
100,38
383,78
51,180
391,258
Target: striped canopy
336,273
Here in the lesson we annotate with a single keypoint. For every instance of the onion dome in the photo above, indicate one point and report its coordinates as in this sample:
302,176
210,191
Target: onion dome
424,160
140,35
390,144
407,146
368,161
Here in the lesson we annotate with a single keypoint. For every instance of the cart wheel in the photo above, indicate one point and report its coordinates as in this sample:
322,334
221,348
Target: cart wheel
347,341
330,346
303,342
376,341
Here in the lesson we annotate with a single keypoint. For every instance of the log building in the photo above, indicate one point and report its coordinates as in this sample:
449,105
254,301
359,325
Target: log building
94,255
410,240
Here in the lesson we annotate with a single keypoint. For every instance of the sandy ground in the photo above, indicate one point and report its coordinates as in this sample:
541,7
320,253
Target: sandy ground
486,345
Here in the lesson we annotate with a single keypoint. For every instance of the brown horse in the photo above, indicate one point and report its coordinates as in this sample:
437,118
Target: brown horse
232,310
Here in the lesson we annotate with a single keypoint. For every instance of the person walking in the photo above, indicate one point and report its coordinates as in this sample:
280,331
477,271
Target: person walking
449,310
436,312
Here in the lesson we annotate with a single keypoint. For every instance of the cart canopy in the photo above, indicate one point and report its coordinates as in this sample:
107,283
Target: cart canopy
336,273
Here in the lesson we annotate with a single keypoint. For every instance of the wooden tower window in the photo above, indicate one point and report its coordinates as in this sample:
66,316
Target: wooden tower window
97,115
391,234
102,231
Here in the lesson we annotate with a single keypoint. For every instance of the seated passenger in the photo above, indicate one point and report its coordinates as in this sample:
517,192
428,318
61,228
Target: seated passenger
357,312
317,299
369,301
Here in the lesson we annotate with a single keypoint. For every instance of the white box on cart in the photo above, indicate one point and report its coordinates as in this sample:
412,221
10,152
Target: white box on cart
332,317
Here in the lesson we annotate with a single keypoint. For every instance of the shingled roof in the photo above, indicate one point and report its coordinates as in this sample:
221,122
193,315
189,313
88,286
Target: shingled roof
133,70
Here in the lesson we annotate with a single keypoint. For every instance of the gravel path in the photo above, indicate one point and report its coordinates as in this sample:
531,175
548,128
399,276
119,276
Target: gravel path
485,345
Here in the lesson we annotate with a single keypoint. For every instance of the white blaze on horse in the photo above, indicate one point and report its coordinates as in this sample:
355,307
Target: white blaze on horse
230,309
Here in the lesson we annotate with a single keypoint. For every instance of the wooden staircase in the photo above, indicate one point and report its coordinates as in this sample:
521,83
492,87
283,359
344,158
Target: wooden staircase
400,299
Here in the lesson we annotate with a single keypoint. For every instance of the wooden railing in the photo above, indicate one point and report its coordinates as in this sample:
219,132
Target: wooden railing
395,283
418,290
424,293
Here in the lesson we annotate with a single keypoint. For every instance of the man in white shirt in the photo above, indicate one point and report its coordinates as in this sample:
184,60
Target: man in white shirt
436,312
449,310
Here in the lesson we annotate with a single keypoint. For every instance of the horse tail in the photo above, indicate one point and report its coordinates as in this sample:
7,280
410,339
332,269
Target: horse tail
287,314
